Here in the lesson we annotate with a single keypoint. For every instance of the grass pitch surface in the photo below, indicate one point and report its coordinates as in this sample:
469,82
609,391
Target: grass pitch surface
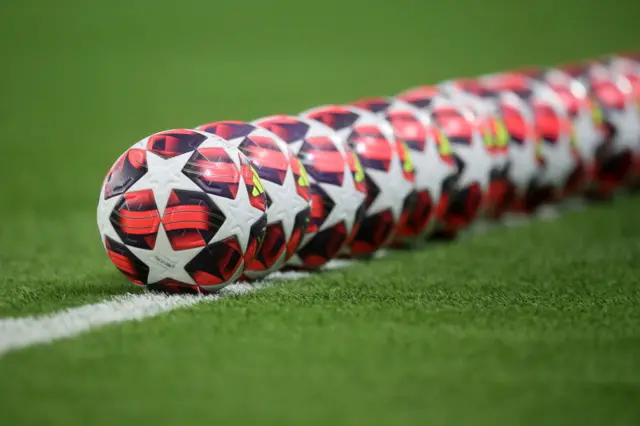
534,325
531,325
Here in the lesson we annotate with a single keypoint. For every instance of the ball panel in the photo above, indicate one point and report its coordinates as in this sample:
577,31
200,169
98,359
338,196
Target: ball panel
420,97
300,227
321,206
355,166
125,172
270,161
257,234
228,130
408,128
191,219
217,263
257,195
172,143
375,231
271,250
214,172
373,148
136,219
454,124
287,128
303,187
418,217
322,160
497,197
518,128
463,207
612,171
324,246
444,147
132,267
335,116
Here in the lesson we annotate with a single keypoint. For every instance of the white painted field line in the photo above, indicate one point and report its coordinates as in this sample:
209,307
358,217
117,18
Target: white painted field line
21,332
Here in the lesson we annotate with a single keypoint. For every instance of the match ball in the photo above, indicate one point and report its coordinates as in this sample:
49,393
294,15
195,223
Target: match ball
388,171
463,131
338,188
468,93
182,211
431,155
559,152
286,188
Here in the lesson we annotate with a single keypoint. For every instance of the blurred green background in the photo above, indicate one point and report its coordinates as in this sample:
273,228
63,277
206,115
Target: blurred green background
80,81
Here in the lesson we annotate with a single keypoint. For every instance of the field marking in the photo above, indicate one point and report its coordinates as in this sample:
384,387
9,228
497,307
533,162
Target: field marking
16,333
21,332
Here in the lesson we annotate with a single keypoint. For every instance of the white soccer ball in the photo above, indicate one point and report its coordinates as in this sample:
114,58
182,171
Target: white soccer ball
471,154
525,147
389,174
338,188
286,189
467,93
431,155
462,130
559,152
585,113
615,95
182,211
559,147
628,66
619,99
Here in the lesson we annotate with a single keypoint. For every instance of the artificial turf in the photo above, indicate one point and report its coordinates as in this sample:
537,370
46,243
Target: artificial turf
534,325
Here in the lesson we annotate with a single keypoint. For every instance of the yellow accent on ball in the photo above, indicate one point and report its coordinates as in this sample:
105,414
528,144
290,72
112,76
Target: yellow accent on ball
257,183
407,165
359,175
444,148
303,180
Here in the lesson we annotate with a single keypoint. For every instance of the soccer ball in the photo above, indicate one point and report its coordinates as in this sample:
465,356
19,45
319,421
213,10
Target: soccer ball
510,104
525,150
182,211
338,188
628,66
421,98
462,129
559,152
389,173
586,117
613,94
525,159
467,92
286,188
416,129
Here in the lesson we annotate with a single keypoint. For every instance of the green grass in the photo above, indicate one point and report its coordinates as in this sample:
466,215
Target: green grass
535,325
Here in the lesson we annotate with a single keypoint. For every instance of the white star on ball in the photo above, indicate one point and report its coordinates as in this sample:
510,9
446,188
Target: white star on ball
347,201
286,203
477,162
393,186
